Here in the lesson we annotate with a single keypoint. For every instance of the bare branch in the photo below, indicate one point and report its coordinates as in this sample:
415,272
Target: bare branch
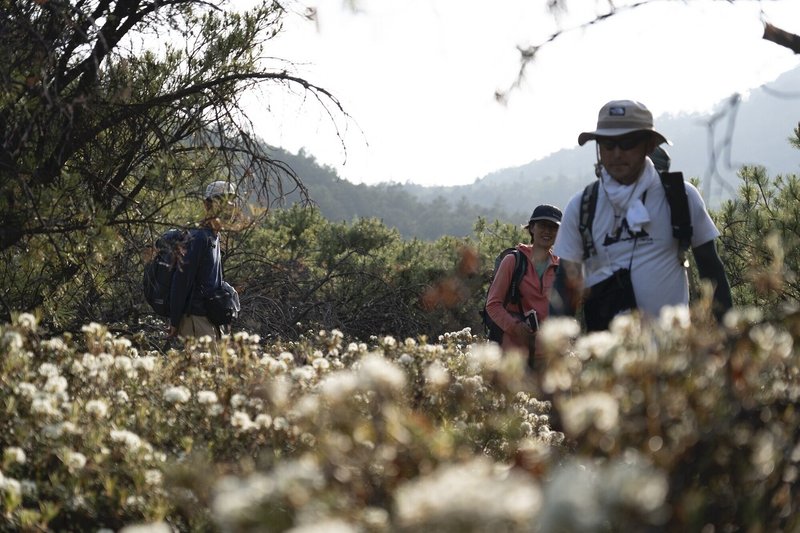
782,37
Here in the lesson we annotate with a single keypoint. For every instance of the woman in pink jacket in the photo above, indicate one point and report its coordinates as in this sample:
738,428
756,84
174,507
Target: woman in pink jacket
518,332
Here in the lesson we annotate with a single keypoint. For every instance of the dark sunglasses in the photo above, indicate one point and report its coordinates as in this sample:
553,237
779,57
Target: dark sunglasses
625,143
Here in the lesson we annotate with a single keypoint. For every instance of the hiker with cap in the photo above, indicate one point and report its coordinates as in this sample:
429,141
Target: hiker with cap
519,322
200,270
623,238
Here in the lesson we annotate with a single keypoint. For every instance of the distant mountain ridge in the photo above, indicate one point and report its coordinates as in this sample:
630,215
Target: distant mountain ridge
759,132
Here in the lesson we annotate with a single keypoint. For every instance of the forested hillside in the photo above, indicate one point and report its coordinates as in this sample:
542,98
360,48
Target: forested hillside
737,132
429,218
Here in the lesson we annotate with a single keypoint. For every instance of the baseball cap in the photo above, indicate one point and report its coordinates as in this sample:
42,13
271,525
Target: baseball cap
219,188
545,212
619,117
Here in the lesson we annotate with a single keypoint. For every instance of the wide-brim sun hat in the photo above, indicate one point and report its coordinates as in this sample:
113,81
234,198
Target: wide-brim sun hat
219,188
545,212
620,117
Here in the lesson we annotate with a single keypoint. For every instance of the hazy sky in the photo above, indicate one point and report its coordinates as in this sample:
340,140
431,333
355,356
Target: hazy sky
418,77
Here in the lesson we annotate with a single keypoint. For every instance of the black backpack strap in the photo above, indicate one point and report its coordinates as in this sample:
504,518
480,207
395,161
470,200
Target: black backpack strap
675,191
520,267
588,207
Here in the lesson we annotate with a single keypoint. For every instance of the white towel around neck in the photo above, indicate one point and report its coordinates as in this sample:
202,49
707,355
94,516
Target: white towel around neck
628,198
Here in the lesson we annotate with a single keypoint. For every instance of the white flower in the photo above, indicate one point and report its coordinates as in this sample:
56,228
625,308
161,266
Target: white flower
45,405
338,386
55,384
739,317
48,370
240,336
263,420
389,341
303,374
378,373
56,344
122,396
77,368
242,420
123,363
26,321
485,356
122,344
674,317
54,431
14,454
207,397
147,363
556,332
598,409
179,394
238,400
10,486
352,347
626,326
131,440
278,367
321,364
236,498
13,340
436,375
153,477
74,460
97,408
26,390
586,497
477,495
596,344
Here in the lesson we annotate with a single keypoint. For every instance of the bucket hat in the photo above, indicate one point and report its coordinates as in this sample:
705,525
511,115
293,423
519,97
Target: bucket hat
619,117
219,188
545,212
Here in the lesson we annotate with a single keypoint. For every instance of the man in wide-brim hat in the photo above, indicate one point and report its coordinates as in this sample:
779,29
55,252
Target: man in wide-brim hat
628,251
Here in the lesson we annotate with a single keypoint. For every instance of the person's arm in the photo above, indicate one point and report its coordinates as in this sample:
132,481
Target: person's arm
710,267
568,289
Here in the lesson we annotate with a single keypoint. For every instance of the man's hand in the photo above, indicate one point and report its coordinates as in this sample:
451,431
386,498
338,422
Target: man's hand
172,331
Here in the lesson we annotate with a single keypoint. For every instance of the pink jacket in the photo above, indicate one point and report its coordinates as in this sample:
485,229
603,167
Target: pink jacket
535,293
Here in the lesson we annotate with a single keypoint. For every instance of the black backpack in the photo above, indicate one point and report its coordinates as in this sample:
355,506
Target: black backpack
680,219
493,331
157,278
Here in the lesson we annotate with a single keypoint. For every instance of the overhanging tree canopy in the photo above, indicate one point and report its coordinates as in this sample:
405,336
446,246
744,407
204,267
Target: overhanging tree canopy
110,113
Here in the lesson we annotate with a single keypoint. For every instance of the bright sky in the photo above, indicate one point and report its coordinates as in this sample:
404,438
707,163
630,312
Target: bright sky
418,78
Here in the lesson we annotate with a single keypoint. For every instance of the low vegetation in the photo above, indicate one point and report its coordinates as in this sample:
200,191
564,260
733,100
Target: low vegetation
674,425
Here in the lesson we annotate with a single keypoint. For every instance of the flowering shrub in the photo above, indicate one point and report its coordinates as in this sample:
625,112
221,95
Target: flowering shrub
671,425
